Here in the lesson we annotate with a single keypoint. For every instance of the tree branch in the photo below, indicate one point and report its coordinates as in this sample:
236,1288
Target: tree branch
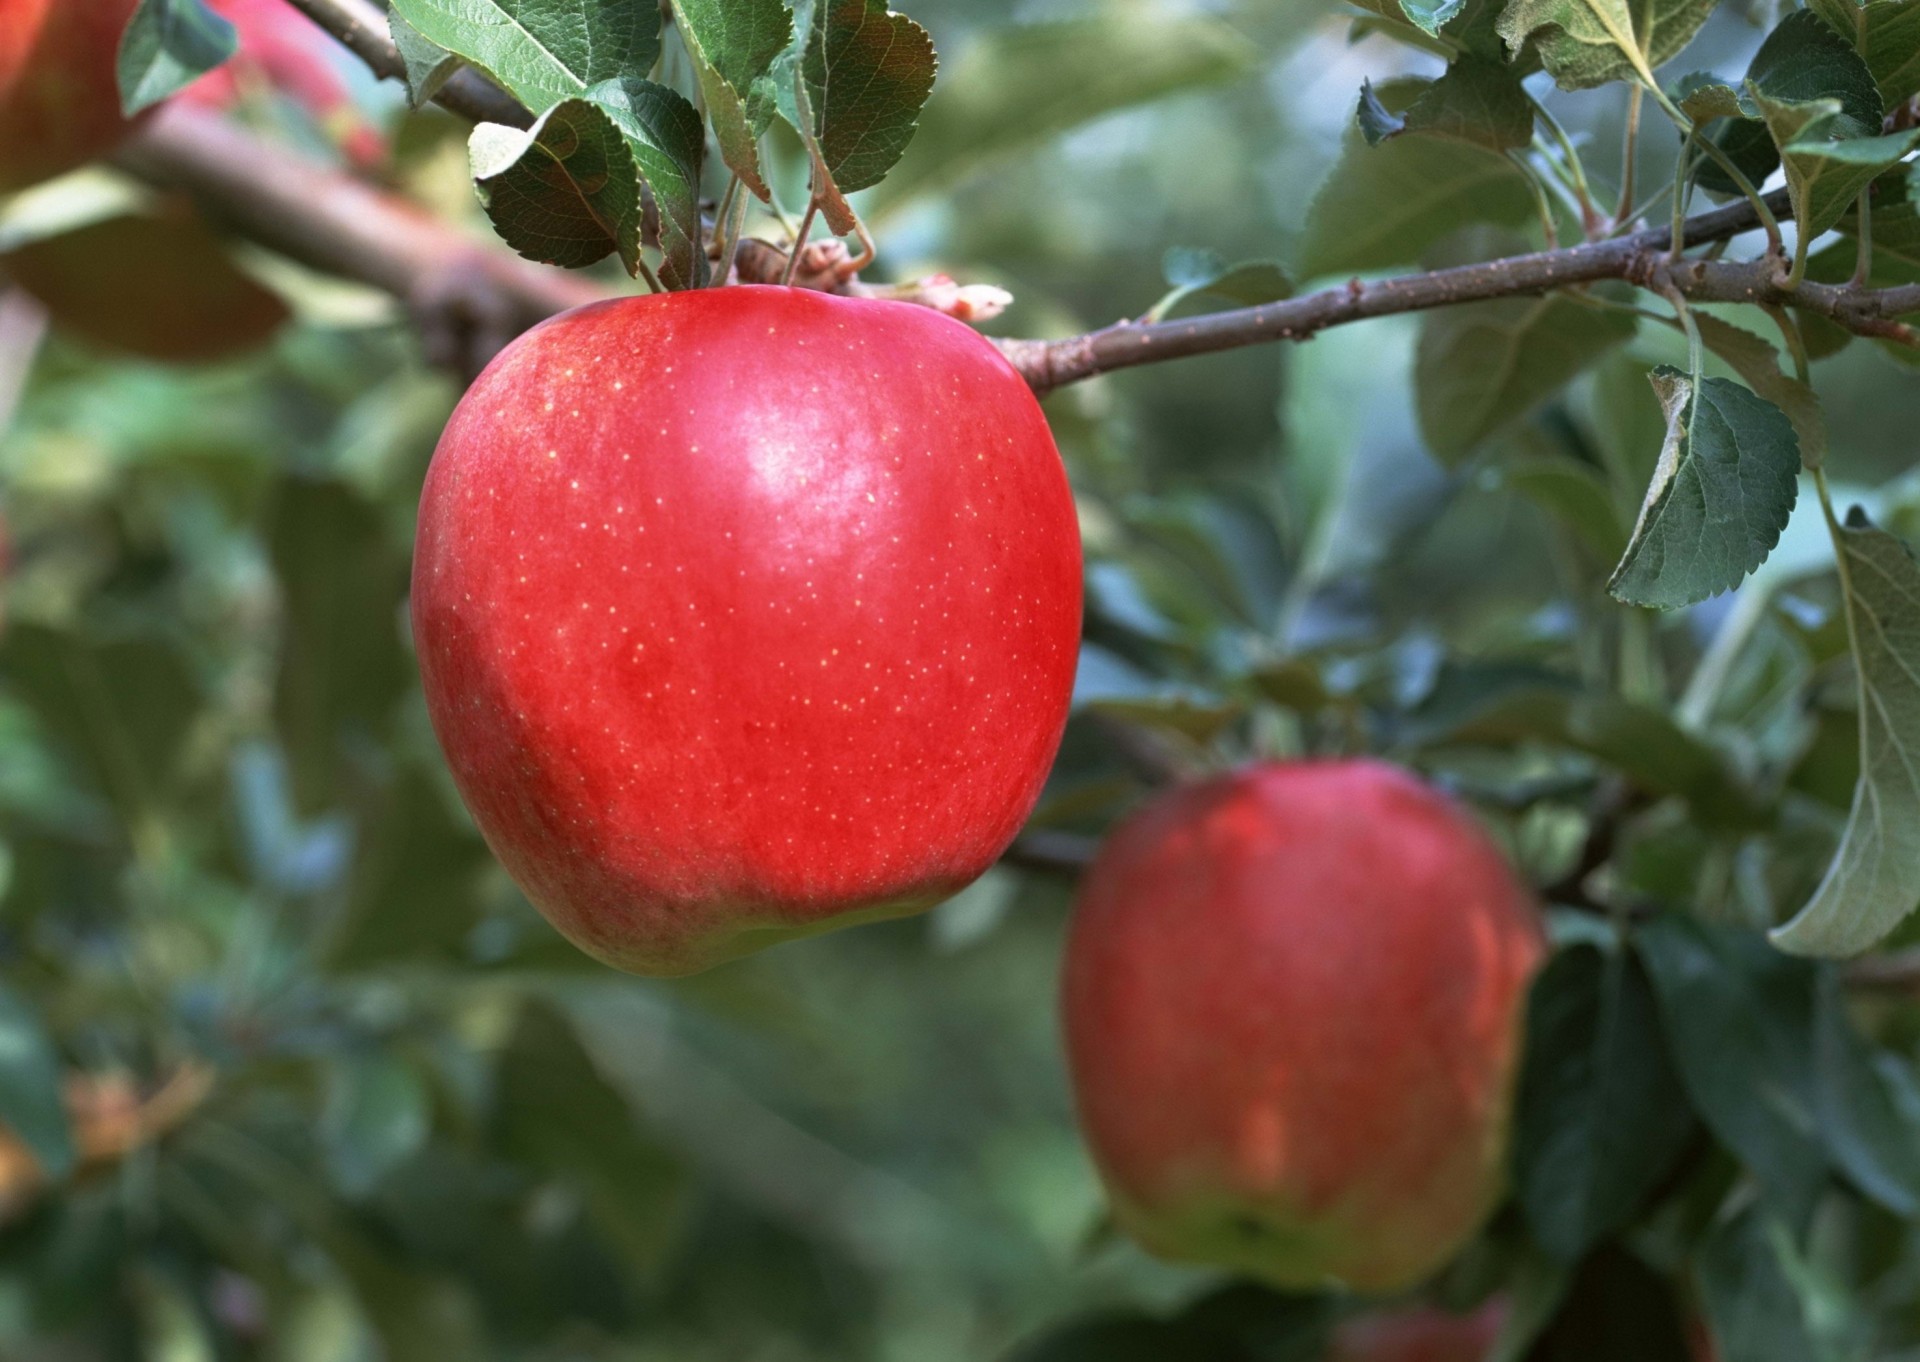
362,29
470,296
1050,364
474,296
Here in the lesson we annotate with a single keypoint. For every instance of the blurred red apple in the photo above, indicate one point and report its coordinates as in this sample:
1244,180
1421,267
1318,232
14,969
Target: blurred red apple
744,613
59,100
1419,1333
282,48
1293,1005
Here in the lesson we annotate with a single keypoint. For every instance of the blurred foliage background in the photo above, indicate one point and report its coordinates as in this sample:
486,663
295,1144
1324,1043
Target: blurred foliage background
334,1093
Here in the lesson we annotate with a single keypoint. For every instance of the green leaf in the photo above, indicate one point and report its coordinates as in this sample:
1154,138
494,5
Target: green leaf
555,1110
1477,101
1892,48
668,142
1753,1303
1704,97
1739,1018
1601,1116
1503,705
167,45
123,707
543,51
1758,365
1575,491
1584,43
413,893
1874,881
733,44
1482,366
429,65
30,1101
1860,1104
1801,61
567,191
856,80
1720,496
343,667
1025,84
1196,273
1385,205
1828,161
376,1117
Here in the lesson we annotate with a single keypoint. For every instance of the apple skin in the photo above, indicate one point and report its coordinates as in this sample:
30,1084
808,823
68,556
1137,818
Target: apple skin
745,613
59,98
1419,1333
1293,1006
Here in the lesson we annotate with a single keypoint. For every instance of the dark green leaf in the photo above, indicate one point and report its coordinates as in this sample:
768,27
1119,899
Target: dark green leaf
1385,205
1802,61
429,65
555,1110
30,1101
1753,1302
1497,705
1203,273
1591,42
413,889
543,51
733,44
1482,366
1740,1019
1720,495
1129,1338
1758,365
567,191
376,1118
854,84
1874,881
1892,48
1477,101
343,665
1867,1131
1827,164
1601,1116
122,707
169,44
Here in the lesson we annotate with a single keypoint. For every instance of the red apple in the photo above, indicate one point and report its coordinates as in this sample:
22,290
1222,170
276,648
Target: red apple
1293,1006
59,100
1419,1333
745,613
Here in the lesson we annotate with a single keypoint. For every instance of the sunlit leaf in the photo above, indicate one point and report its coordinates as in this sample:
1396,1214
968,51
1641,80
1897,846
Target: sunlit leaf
1874,881
1726,482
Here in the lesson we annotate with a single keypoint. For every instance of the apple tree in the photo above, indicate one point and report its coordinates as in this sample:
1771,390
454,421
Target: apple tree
621,738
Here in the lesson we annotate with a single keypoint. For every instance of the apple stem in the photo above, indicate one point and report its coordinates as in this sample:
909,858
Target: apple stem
800,240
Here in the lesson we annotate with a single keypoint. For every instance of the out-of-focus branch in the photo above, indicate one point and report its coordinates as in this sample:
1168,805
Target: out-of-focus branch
474,296
1898,973
362,28
470,296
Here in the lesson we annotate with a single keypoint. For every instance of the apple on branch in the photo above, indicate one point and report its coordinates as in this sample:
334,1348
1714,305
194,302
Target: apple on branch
744,613
1293,1002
